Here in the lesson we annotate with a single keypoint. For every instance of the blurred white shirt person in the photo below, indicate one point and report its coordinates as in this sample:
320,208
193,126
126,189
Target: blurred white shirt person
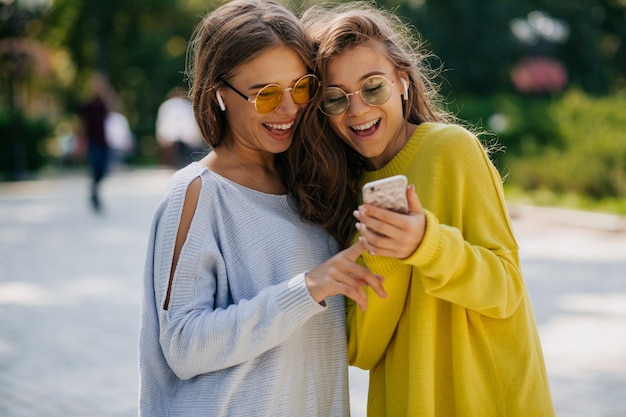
119,136
177,132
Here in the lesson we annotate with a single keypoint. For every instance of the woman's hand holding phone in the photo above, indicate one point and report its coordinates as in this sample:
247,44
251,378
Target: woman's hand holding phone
389,233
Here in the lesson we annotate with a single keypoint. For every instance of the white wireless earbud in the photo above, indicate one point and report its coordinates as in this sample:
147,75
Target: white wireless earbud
219,100
406,88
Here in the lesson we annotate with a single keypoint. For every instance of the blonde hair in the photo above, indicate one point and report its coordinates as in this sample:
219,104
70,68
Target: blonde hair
343,27
325,170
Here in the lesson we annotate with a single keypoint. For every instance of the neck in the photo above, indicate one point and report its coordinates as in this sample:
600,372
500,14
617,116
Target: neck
395,146
252,170
251,159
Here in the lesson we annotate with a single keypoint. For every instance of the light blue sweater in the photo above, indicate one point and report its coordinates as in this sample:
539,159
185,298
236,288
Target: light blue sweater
241,335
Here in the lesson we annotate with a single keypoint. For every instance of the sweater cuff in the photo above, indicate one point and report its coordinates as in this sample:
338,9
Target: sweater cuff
295,300
429,248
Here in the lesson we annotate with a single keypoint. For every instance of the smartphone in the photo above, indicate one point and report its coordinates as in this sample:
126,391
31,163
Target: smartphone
389,193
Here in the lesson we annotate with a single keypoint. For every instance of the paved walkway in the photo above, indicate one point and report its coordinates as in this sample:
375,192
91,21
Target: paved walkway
70,283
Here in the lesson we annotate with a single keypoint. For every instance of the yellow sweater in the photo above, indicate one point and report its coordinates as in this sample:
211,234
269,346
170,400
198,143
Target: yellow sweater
456,335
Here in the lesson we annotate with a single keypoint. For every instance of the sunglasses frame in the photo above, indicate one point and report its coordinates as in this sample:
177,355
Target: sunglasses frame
290,89
347,95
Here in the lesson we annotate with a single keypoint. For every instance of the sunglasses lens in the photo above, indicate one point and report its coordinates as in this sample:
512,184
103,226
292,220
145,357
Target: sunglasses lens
268,98
376,90
335,101
304,89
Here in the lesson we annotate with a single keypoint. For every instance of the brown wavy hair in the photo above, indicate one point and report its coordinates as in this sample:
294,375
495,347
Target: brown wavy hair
228,37
325,184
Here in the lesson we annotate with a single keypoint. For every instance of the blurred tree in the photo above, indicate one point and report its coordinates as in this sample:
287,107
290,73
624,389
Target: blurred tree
141,47
596,53
20,58
474,41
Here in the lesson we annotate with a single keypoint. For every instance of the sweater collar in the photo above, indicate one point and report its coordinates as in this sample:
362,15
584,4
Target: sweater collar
402,160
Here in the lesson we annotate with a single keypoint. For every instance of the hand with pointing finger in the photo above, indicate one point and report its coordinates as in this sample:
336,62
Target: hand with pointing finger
342,275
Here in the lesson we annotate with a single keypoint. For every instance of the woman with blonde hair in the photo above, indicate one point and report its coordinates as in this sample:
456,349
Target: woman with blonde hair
456,335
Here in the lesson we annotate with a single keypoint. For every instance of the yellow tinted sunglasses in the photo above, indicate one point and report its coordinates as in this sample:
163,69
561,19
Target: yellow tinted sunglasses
270,96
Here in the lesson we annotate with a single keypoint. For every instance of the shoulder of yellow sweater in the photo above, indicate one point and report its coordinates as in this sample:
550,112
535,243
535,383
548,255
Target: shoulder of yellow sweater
446,131
447,139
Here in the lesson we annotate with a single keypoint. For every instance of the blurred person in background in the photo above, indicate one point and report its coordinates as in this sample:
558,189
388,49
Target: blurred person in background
119,137
177,132
91,135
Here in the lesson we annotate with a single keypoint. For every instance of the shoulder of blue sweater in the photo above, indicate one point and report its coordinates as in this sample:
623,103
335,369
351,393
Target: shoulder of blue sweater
180,180
189,172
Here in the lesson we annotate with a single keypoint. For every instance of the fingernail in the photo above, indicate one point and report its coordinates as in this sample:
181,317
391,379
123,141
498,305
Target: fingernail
371,253
356,214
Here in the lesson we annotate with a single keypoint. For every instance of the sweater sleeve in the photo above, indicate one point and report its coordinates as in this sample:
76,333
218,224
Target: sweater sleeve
197,335
370,331
469,256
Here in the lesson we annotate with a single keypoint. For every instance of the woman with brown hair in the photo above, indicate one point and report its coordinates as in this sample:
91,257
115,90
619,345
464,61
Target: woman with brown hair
232,323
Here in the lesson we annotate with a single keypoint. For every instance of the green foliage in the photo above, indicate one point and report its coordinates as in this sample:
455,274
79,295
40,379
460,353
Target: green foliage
139,46
521,122
549,198
563,143
21,144
474,41
575,143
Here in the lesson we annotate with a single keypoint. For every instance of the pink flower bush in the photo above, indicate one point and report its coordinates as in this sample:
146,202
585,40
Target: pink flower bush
537,75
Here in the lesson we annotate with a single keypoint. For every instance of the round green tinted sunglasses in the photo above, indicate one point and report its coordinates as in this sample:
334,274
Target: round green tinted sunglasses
269,97
375,91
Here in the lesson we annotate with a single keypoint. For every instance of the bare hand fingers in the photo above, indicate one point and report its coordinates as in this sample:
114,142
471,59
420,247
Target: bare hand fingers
324,282
353,252
363,276
356,293
376,244
368,212
393,241
415,205
342,275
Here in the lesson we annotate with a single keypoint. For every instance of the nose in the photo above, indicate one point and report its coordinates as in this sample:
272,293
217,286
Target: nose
357,106
287,105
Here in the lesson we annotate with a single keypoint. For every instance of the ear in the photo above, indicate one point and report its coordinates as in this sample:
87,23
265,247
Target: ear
219,100
405,84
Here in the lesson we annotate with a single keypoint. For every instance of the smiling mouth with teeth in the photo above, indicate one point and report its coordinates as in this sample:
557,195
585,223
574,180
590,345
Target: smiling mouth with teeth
283,126
365,126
